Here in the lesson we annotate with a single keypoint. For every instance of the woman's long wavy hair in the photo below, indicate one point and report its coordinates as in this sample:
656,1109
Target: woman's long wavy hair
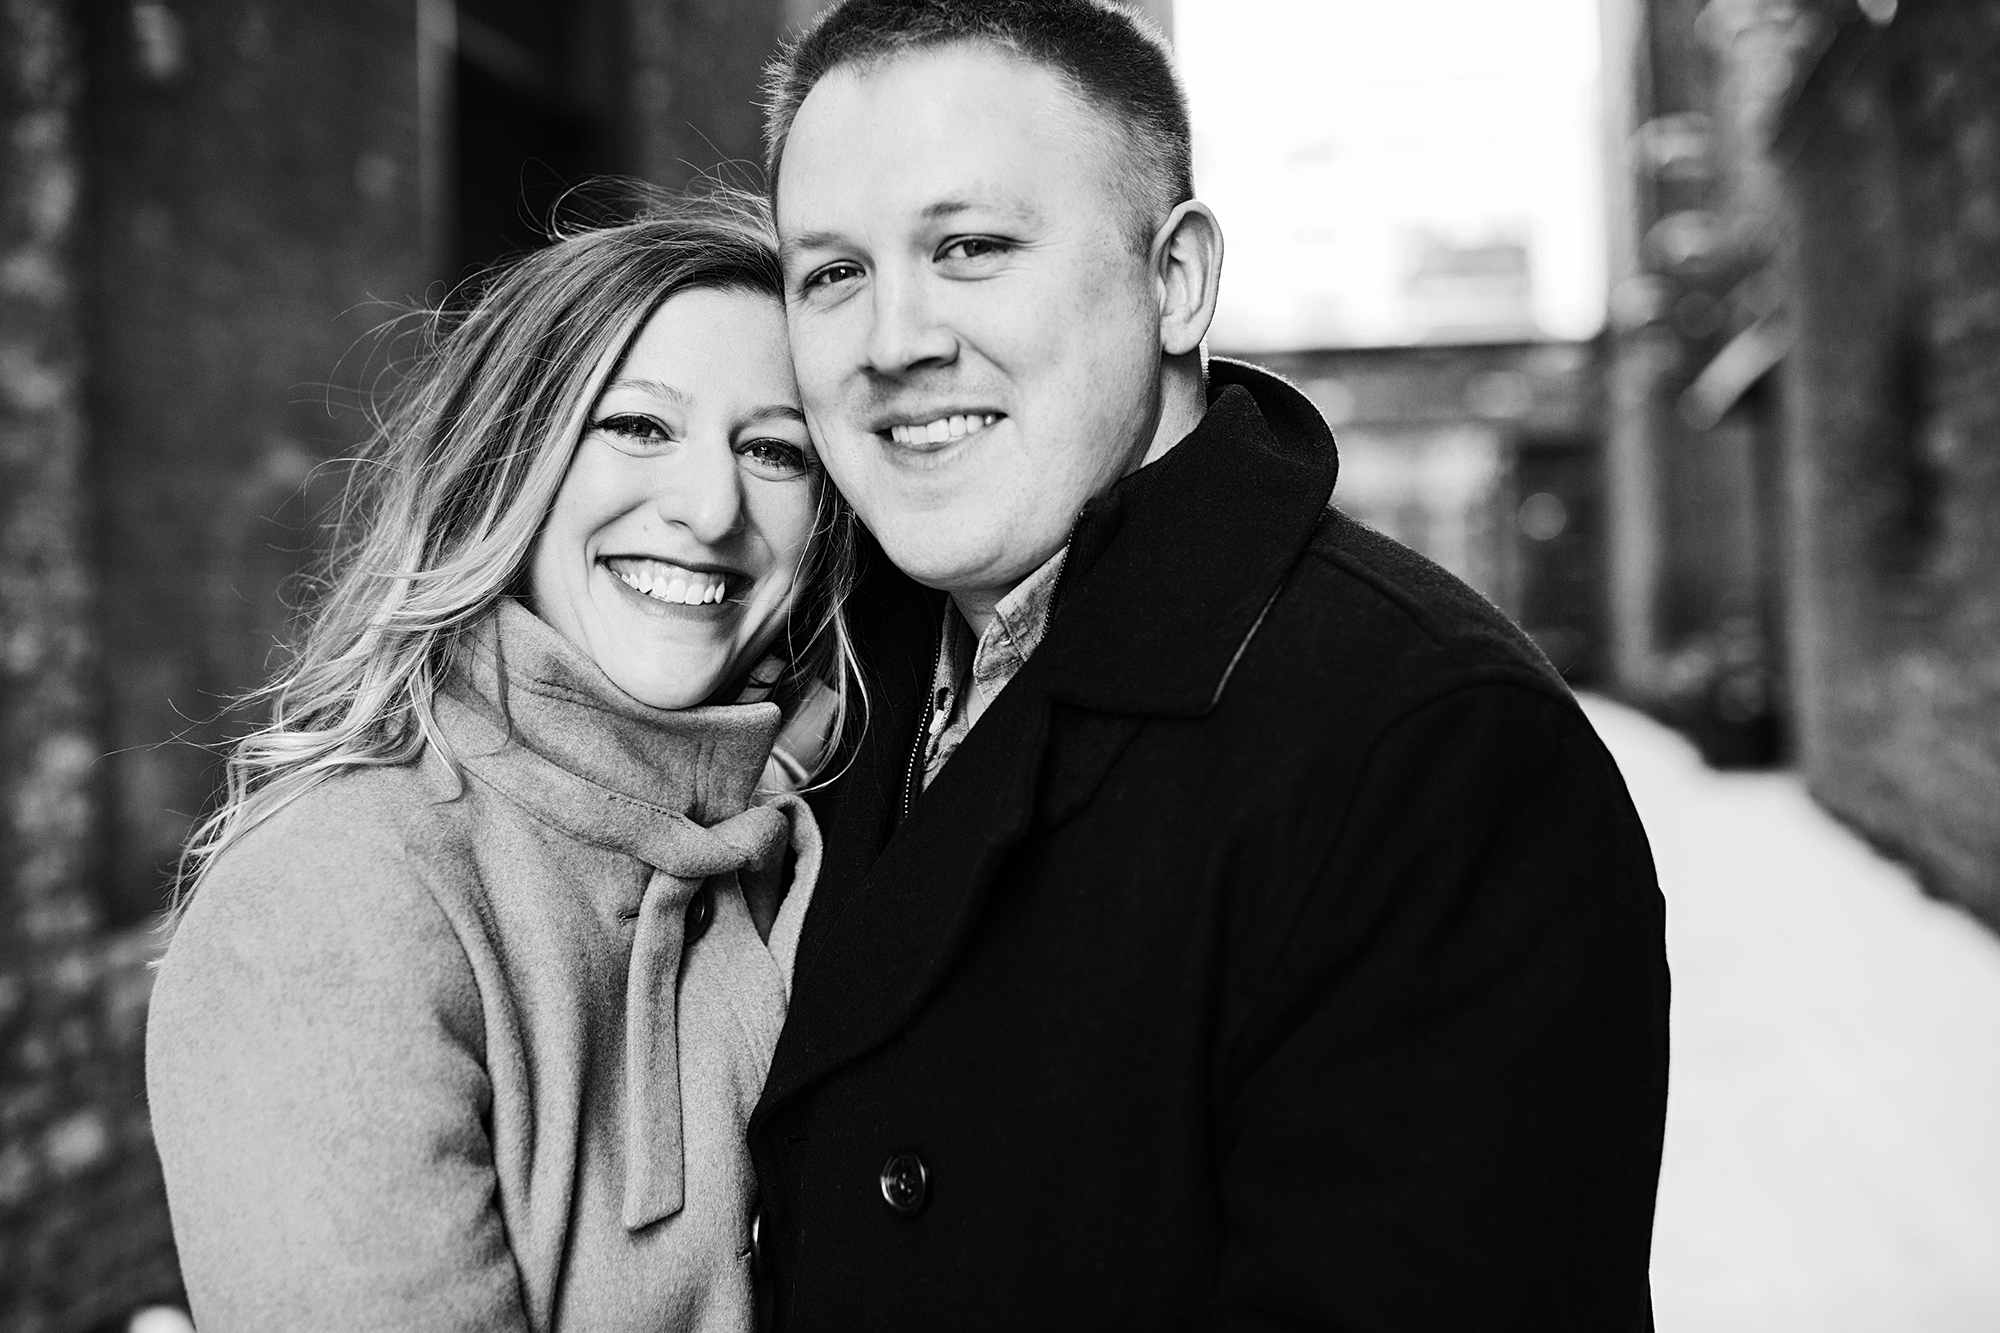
446,498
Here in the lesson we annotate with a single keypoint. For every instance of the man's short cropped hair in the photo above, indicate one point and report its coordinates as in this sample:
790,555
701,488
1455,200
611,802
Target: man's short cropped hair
1112,59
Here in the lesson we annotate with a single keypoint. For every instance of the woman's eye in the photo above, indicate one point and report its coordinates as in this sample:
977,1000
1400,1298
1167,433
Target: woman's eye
632,429
778,458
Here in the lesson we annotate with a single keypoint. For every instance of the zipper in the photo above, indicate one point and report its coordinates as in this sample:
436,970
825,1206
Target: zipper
910,784
1062,575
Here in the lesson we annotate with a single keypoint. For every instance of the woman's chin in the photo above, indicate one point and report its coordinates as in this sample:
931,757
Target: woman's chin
662,672
670,689
676,661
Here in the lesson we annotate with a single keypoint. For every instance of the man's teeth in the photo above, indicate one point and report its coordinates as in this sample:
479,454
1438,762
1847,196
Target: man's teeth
670,583
944,428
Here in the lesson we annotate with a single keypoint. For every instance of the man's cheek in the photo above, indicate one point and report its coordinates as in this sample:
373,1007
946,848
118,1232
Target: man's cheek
841,455
823,349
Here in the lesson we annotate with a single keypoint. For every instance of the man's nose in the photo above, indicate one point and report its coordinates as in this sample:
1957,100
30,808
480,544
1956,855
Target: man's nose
906,333
705,492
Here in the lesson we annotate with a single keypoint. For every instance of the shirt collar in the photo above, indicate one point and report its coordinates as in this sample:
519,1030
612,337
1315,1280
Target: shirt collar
1020,619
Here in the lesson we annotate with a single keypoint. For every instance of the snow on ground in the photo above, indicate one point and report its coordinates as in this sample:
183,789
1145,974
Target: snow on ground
1833,1129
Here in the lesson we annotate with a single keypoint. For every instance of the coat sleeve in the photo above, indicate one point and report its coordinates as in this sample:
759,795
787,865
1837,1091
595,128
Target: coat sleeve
315,1064
1444,1109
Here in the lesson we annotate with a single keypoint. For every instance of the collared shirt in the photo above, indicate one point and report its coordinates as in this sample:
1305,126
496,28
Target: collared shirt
970,677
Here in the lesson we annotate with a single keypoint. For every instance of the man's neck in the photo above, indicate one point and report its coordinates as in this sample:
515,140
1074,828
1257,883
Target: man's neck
978,608
1183,402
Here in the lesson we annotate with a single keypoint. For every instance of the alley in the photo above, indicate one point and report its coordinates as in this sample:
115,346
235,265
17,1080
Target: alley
1832,1162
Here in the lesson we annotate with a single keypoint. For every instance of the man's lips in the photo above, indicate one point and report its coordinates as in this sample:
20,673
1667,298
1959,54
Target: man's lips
675,584
912,431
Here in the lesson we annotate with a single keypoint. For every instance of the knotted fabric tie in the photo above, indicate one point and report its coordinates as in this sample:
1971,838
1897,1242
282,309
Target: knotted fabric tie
654,1159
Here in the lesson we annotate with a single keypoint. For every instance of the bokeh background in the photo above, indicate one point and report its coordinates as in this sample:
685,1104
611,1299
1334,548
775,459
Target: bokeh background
1671,325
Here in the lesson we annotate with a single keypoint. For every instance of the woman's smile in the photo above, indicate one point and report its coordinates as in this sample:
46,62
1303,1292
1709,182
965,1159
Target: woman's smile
672,585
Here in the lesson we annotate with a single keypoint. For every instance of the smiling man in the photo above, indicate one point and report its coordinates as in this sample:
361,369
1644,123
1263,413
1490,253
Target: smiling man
1228,919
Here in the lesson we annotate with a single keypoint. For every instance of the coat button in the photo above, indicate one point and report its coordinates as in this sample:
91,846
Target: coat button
905,1183
700,911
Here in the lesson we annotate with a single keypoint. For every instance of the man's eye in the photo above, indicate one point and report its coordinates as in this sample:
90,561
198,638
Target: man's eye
973,247
631,428
777,458
832,275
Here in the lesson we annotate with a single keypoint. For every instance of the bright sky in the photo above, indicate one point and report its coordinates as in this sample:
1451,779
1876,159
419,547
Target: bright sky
1332,136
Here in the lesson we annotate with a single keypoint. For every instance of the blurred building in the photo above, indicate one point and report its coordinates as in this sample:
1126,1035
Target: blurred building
1804,462
1487,457
1392,174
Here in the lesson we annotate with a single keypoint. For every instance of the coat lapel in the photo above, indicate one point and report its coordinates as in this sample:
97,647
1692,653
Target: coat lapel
896,622
1170,575
882,948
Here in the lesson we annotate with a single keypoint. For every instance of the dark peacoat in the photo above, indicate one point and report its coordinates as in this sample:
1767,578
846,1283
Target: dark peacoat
1281,950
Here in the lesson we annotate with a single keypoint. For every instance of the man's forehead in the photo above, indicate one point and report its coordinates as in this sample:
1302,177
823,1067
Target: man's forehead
971,56
860,131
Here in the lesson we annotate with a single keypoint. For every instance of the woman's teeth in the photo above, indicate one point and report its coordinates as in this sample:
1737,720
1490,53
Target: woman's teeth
669,583
944,428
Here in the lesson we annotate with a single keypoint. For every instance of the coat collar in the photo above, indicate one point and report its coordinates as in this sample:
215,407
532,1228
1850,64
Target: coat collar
1167,578
1171,570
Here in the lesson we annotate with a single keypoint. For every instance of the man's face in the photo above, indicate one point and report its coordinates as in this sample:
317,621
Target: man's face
977,339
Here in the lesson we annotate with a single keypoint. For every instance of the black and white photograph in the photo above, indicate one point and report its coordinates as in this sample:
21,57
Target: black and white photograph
790,666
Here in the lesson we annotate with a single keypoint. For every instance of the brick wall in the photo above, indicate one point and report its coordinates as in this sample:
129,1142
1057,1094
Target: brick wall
1892,179
83,1230
254,187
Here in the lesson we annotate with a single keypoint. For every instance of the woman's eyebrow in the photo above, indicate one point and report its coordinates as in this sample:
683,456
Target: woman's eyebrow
677,397
775,412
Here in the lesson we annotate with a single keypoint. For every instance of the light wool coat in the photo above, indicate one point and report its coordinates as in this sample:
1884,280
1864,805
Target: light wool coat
432,1053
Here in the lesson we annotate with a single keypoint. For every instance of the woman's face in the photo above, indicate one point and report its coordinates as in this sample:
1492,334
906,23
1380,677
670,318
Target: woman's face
672,552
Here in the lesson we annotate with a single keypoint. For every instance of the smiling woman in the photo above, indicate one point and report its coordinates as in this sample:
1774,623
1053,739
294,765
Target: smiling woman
482,962
672,551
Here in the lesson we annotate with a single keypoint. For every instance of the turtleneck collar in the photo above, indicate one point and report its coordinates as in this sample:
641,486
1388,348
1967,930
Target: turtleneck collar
527,693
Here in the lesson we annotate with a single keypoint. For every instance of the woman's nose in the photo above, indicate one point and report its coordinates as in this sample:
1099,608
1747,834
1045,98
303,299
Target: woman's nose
705,492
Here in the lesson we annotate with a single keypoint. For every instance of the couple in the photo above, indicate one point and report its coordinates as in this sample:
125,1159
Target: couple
1193,910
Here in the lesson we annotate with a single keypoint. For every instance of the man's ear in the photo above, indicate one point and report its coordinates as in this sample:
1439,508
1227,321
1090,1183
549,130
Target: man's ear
1187,272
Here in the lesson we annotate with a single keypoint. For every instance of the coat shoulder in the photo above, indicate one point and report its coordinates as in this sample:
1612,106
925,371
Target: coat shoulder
362,856
354,824
1374,617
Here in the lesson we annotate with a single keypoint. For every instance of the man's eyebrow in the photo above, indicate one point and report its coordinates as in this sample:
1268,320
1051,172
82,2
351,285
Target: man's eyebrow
789,251
945,209
941,211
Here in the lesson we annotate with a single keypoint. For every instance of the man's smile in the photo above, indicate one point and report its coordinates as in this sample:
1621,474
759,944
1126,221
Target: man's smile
942,429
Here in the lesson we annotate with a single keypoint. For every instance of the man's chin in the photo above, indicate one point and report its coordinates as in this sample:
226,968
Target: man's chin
937,561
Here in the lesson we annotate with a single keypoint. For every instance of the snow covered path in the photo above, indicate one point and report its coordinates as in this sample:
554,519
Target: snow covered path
1833,1129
